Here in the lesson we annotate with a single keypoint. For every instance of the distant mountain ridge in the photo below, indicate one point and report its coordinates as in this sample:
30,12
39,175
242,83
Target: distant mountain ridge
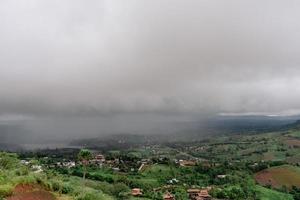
293,126
12,137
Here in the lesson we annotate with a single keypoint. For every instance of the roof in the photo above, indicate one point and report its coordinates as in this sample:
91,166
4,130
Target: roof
168,196
221,176
136,191
193,190
187,162
204,193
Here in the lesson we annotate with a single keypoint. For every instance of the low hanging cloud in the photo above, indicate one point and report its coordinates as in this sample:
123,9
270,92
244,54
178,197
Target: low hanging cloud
166,57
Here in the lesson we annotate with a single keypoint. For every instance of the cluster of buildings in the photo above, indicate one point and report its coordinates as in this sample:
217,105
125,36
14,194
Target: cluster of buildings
199,194
187,163
35,167
67,164
98,159
168,196
136,192
194,194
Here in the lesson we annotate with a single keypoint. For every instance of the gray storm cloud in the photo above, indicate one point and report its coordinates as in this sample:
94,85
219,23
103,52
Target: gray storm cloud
184,57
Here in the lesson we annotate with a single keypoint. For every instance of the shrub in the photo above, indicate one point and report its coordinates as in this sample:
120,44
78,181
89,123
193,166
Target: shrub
5,190
67,188
8,160
91,196
22,171
120,188
56,186
24,179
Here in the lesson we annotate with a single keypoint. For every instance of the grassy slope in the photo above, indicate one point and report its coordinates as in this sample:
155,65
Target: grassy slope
13,173
154,172
268,194
294,133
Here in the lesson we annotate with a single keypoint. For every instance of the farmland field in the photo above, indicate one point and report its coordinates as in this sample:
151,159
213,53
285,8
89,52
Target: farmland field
292,142
279,176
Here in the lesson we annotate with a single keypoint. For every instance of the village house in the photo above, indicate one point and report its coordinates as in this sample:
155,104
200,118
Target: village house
199,194
115,169
37,168
186,163
193,193
203,195
99,160
142,167
168,196
136,192
221,176
173,181
145,161
24,162
112,163
69,164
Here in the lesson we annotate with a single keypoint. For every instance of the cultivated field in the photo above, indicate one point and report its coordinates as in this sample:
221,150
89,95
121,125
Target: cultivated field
278,177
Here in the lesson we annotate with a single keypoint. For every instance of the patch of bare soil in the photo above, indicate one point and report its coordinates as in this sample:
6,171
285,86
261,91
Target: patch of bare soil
265,178
30,192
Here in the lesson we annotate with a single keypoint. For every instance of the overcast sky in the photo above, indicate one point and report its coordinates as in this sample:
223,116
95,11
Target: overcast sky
165,57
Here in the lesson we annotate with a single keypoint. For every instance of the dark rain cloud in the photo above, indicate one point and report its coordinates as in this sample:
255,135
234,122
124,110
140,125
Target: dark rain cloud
168,57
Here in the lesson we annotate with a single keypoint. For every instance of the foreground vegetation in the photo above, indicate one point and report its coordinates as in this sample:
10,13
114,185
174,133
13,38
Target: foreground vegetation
13,173
249,166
